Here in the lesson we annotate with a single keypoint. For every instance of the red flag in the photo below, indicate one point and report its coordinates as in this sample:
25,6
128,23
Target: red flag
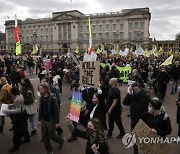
16,34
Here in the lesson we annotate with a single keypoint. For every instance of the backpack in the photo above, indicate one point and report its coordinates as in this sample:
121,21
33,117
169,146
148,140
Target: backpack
29,98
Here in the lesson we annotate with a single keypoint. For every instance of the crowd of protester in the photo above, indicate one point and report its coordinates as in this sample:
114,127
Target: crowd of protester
98,103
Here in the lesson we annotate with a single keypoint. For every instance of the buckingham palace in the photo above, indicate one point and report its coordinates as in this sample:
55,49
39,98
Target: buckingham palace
70,29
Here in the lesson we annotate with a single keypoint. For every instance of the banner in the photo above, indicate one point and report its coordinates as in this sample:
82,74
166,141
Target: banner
75,107
124,73
89,73
142,130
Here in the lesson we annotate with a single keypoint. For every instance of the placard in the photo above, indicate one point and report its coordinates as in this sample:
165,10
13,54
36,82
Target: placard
143,130
89,73
75,107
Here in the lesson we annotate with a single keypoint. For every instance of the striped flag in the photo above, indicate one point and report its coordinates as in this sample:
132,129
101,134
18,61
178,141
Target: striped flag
16,38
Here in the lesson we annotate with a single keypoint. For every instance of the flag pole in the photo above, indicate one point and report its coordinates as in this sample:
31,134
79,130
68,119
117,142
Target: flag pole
70,4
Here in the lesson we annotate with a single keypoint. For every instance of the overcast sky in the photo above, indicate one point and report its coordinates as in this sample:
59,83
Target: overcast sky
165,14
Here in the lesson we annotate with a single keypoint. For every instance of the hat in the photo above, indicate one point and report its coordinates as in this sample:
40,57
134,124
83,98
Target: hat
156,103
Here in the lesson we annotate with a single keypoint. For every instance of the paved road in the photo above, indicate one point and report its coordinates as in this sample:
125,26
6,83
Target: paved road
78,147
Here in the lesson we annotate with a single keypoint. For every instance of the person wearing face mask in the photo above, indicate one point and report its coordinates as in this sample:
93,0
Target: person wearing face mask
136,76
138,100
96,140
157,119
97,107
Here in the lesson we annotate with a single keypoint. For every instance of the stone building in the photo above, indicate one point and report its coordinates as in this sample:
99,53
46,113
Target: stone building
69,29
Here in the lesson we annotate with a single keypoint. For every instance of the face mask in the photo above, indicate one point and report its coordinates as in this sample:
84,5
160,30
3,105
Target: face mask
90,130
74,85
150,109
136,92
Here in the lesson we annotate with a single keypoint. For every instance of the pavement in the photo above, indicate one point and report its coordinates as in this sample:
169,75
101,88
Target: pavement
79,146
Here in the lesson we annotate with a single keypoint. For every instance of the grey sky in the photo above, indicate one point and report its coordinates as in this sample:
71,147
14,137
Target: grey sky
165,20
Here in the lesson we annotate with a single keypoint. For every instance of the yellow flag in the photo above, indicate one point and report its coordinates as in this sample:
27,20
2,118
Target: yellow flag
102,47
146,53
170,52
18,48
160,50
77,50
35,49
98,51
168,61
155,52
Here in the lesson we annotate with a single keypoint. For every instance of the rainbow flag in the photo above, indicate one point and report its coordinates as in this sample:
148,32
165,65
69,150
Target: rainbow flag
75,107
16,38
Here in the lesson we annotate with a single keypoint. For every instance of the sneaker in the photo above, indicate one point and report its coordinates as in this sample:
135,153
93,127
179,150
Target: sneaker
72,138
109,135
13,149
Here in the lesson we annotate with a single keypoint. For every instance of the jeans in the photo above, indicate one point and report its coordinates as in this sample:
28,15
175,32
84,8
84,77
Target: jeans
48,131
30,70
32,120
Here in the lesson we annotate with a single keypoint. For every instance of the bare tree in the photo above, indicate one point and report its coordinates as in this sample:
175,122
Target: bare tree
177,36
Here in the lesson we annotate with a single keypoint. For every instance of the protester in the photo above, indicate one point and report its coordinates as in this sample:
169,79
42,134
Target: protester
20,127
157,119
30,103
114,108
48,118
95,136
5,97
139,102
178,115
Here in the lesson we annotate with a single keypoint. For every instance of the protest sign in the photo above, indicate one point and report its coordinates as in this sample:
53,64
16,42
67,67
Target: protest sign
3,107
75,107
89,73
47,64
143,131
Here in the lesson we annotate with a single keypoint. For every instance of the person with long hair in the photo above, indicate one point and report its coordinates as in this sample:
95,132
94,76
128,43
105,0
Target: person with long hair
96,139
30,104
19,118
48,117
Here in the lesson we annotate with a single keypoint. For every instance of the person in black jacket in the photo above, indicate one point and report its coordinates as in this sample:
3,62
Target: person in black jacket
97,107
175,75
139,102
48,117
96,141
157,119
162,80
178,115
